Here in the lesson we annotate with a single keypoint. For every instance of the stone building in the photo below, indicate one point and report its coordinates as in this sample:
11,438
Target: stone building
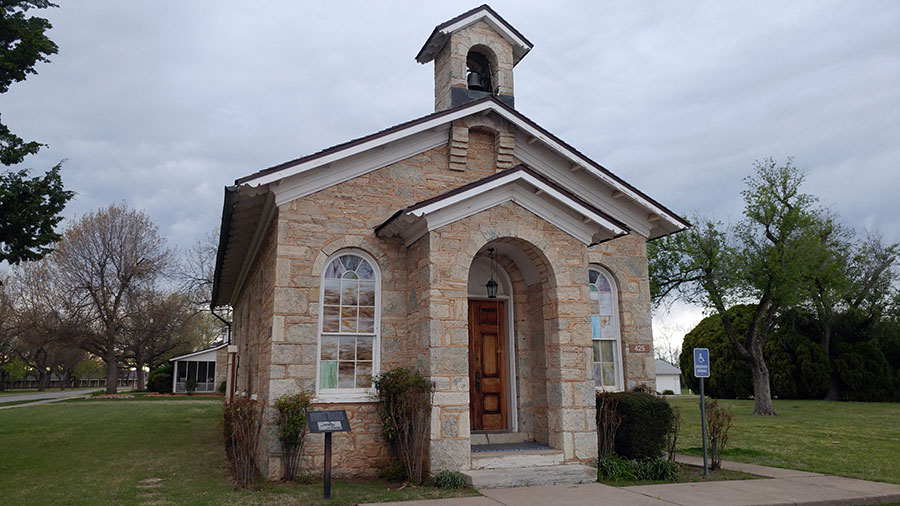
377,253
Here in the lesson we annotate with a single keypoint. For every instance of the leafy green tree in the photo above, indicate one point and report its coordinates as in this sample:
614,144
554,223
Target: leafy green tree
764,260
23,43
29,207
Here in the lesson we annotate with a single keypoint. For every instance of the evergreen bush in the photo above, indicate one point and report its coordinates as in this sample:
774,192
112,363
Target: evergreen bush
647,421
160,379
292,427
615,468
448,480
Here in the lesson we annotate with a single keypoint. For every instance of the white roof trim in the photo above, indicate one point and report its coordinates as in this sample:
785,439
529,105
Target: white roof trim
371,144
439,122
553,206
215,348
587,164
495,23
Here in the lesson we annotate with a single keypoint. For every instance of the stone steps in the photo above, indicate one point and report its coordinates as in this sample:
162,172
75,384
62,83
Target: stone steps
529,476
517,459
483,438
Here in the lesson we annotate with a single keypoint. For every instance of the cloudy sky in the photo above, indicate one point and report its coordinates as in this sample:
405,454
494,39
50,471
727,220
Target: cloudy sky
162,104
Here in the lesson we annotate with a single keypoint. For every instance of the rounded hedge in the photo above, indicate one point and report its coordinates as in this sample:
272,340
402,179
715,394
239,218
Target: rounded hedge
647,421
160,380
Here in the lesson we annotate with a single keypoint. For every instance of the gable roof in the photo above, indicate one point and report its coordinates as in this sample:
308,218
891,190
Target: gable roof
383,137
441,33
575,213
250,205
663,367
189,355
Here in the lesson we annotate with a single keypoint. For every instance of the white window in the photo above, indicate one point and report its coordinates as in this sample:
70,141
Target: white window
349,315
605,330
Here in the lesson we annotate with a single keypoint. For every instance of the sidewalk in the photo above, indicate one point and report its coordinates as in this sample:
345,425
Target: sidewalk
780,486
35,399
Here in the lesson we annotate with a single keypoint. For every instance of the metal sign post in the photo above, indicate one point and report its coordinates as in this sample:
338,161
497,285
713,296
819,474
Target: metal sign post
701,370
328,422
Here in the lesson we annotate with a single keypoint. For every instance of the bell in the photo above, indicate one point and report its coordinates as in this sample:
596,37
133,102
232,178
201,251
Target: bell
474,81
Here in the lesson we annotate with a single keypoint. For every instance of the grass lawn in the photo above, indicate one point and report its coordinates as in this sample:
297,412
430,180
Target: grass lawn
854,439
145,450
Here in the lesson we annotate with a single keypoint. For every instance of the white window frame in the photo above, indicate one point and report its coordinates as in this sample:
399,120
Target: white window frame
617,345
338,395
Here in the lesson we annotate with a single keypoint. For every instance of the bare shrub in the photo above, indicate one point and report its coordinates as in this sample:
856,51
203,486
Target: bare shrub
608,421
292,427
242,425
405,411
718,421
672,437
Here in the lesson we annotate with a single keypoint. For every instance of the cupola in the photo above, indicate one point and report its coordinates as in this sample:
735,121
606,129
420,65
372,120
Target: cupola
474,55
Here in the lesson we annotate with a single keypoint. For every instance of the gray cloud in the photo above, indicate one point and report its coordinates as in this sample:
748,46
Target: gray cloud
163,104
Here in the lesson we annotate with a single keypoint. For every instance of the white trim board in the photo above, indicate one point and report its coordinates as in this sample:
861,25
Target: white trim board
520,187
439,126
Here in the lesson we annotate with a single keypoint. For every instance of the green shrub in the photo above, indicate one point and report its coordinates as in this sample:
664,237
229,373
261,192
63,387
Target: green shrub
614,468
241,427
190,386
668,392
395,471
729,375
292,427
222,386
647,420
160,380
448,480
405,412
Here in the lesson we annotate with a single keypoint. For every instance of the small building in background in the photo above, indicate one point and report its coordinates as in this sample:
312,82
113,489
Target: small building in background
206,366
668,377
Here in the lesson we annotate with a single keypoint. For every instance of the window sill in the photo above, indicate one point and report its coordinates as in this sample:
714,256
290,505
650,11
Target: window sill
341,398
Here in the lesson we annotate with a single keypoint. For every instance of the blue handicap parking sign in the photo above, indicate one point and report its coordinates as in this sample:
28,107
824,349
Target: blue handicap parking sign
701,362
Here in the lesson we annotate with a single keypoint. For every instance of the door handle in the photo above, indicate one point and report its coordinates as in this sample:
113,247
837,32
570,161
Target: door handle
478,380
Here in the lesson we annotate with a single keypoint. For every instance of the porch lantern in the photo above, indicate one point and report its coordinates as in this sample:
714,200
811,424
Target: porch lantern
491,285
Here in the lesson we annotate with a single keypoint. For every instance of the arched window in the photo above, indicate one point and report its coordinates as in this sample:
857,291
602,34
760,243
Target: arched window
349,324
605,330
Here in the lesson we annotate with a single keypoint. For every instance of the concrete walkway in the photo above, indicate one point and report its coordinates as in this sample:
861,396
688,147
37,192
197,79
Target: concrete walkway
42,397
779,486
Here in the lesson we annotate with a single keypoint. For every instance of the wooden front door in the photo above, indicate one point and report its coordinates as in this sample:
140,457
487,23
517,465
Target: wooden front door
487,365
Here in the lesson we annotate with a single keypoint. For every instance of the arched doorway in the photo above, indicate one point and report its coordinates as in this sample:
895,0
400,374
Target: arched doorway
507,352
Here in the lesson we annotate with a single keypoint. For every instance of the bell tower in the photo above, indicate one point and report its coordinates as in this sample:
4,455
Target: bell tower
474,55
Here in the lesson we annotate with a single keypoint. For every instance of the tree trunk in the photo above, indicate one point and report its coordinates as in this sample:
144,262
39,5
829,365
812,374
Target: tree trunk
141,379
112,376
762,393
834,388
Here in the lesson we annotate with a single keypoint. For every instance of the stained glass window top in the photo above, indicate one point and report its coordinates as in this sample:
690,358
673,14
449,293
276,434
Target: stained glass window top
349,267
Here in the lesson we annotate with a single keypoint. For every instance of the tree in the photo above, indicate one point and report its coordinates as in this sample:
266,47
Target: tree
23,43
158,324
29,211
47,330
104,258
764,260
851,282
29,207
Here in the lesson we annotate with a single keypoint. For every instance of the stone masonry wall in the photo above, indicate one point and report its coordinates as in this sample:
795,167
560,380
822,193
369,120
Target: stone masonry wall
450,63
314,227
626,259
570,386
424,306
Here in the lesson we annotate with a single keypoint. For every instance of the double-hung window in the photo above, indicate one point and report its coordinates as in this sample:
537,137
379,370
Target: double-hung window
605,330
349,314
